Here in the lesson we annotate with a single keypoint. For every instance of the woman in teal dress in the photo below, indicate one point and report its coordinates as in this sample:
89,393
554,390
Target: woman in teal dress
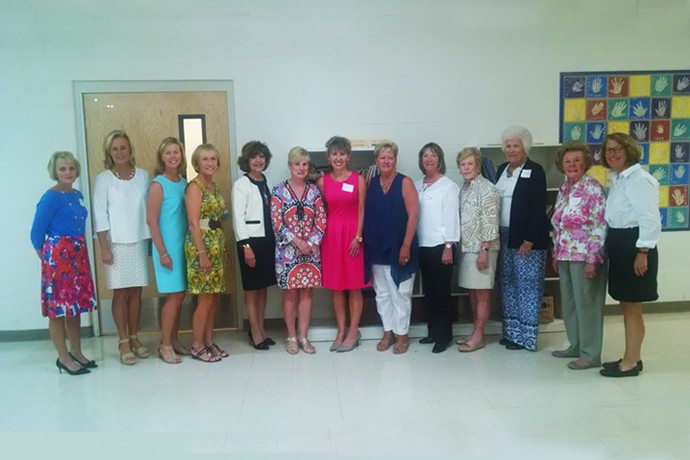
204,249
167,220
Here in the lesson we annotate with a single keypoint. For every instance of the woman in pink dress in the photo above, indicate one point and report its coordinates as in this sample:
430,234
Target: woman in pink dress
342,259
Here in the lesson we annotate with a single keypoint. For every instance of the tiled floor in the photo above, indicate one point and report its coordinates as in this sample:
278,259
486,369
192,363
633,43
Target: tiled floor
489,404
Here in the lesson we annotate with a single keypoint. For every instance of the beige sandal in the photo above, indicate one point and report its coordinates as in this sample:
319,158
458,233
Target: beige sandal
167,354
291,345
306,346
127,358
141,352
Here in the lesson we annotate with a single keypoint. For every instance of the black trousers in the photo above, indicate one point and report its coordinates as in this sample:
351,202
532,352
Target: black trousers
436,279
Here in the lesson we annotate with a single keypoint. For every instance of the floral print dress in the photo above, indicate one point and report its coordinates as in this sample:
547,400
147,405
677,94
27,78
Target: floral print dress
212,207
302,217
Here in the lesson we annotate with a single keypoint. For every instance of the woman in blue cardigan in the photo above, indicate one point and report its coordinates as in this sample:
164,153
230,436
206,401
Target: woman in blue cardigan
524,240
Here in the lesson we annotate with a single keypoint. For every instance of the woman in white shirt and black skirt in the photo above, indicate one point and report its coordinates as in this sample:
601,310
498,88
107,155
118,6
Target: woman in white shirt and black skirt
632,214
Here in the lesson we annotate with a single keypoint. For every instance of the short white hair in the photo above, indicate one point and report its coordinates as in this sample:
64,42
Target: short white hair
521,133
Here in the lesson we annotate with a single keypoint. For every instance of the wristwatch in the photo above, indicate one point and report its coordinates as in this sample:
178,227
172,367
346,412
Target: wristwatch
246,246
448,245
359,239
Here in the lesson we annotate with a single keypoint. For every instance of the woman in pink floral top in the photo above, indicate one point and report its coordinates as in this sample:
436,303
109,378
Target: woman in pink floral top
579,234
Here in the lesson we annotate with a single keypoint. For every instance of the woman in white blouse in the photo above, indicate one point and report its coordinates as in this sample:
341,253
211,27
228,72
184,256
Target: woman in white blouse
479,245
438,231
119,210
632,214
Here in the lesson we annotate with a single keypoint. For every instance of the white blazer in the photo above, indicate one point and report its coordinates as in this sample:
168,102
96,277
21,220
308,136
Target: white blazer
247,210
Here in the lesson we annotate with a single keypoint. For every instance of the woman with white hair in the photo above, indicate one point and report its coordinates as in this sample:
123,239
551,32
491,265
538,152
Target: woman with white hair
524,234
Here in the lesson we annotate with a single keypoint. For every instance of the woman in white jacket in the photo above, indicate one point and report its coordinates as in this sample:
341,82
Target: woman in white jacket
251,198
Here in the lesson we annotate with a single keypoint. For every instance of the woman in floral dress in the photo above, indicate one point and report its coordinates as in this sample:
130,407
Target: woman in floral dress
299,222
204,249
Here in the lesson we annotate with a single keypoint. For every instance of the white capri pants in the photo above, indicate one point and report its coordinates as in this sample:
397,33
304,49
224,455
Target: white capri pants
393,303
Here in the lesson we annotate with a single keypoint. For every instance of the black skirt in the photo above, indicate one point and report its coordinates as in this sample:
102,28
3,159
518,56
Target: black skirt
624,284
263,274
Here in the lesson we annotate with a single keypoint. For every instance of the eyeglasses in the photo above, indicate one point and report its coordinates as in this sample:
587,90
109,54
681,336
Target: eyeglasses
617,149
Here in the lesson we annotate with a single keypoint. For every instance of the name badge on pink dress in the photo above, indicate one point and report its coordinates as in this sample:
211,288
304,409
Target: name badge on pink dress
349,188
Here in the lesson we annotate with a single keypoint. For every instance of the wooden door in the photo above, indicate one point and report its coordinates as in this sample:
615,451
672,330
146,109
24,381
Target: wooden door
147,118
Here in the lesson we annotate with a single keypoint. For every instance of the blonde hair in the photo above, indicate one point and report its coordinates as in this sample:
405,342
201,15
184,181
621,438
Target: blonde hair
204,148
383,145
160,165
108,142
62,155
298,153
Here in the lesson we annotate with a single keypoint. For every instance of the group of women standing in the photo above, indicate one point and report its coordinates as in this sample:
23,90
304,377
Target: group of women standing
344,234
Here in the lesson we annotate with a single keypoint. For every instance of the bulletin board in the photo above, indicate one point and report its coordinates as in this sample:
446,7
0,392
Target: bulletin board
654,108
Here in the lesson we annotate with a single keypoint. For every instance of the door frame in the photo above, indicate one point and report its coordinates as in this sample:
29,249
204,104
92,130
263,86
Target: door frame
81,87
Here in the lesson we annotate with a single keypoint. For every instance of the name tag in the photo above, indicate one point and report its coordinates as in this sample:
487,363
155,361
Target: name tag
526,173
349,188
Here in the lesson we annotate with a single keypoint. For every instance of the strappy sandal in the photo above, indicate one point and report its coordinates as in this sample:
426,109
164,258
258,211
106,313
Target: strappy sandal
215,350
385,343
127,358
167,354
291,345
306,346
401,346
141,352
204,355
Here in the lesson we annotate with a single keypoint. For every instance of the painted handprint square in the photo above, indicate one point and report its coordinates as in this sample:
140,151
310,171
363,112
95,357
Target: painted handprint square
660,130
681,84
645,153
680,152
661,107
659,153
618,109
574,110
597,109
681,107
661,173
678,195
595,149
618,86
663,196
574,87
596,86
679,174
596,131
640,85
639,130
619,127
574,132
678,217
680,129
639,108
661,84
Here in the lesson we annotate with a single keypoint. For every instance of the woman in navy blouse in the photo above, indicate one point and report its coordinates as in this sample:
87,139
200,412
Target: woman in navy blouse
57,235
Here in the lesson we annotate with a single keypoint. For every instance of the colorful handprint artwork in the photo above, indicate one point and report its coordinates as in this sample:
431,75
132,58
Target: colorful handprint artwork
653,107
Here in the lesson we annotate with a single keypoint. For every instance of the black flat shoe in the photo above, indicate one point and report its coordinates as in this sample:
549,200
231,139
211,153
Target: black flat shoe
427,340
617,372
440,347
80,371
514,346
270,341
504,341
614,364
90,364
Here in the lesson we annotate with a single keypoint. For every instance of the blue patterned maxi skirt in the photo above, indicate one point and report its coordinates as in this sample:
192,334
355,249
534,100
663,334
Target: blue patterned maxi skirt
522,287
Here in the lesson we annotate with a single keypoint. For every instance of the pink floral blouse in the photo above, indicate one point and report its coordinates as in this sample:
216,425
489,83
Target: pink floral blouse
579,228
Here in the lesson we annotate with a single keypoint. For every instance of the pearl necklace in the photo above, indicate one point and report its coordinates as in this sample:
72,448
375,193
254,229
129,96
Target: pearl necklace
131,174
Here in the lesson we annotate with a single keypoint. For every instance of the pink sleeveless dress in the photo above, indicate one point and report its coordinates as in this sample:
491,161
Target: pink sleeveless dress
340,270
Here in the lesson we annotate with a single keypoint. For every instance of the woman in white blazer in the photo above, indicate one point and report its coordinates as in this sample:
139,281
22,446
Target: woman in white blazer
251,198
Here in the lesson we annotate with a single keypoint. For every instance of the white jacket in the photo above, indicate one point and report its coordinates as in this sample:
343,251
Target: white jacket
247,210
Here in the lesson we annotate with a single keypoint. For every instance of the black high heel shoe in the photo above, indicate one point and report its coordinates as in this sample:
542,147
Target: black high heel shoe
89,364
257,346
80,371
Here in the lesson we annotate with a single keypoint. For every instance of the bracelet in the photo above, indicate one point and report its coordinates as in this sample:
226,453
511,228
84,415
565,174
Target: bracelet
201,252
359,238
164,256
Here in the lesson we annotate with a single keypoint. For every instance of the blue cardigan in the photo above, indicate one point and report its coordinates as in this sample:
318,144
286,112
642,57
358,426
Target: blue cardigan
528,220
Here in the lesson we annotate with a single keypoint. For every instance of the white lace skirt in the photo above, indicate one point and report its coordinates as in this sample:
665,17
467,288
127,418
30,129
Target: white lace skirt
130,266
